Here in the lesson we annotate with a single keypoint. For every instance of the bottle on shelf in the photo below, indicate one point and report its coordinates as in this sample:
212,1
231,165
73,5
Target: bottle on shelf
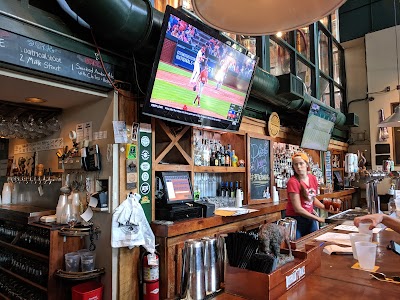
223,190
227,158
222,160
232,191
235,159
228,190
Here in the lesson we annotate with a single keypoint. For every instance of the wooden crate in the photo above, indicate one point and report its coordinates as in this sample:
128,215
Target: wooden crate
257,286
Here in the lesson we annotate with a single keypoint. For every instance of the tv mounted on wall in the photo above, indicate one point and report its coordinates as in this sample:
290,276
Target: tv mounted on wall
318,129
199,76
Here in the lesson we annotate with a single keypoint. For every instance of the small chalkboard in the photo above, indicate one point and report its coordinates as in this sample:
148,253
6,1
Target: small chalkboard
29,53
259,169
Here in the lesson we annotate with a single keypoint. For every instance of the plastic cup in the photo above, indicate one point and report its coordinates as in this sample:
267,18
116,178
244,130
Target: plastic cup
366,252
87,262
72,262
363,227
358,237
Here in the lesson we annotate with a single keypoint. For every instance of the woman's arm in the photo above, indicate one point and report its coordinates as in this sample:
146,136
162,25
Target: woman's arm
318,203
296,202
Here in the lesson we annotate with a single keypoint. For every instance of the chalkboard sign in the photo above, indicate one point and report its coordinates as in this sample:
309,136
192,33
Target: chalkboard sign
259,169
29,53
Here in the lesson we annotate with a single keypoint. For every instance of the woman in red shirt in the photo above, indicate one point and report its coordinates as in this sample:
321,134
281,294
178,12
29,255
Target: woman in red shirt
302,190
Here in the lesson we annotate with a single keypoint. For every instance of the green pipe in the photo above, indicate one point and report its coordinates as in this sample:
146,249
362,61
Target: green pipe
136,24
129,24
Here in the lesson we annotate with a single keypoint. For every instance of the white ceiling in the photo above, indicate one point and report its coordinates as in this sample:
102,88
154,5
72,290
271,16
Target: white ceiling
15,87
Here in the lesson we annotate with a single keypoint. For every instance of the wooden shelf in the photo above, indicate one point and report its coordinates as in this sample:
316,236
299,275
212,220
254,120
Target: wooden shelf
24,251
337,169
24,279
215,169
172,167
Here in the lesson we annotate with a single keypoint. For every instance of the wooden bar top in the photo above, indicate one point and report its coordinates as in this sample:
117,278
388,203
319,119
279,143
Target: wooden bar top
335,279
187,226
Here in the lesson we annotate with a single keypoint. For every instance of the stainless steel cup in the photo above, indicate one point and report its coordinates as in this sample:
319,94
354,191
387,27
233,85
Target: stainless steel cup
193,276
212,264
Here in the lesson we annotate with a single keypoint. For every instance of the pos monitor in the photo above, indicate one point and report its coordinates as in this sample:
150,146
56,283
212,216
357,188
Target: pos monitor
177,187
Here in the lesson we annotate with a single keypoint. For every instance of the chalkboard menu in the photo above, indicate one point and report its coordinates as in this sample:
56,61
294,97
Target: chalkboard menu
259,168
29,53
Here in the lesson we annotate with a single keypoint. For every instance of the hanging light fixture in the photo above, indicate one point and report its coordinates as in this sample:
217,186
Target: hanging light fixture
262,17
394,119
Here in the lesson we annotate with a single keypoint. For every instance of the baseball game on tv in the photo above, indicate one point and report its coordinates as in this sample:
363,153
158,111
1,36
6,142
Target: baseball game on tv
199,76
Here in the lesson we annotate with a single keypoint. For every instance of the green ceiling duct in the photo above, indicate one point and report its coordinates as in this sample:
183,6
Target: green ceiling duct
136,24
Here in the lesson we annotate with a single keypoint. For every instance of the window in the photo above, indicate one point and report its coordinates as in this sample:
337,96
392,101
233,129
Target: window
303,42
279,59
338,99
304,73
337,57
323,47
324,90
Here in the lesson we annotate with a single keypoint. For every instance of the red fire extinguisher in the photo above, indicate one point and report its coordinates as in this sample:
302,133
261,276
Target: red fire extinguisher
151,275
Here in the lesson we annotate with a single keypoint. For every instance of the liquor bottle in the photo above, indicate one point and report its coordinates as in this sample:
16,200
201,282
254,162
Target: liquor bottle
223,190
212,156
228,190
234,159
222,161
227,158
216,157
232,191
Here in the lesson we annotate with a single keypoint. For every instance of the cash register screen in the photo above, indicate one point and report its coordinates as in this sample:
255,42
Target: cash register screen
178,188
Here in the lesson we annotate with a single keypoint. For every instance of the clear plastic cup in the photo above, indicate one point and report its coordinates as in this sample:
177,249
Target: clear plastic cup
366,252
358,237
87,262
72,260
363,227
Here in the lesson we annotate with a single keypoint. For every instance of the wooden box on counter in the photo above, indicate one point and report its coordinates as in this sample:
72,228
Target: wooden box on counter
254,285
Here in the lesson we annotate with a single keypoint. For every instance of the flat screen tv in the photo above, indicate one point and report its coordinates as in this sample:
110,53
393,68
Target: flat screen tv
199,76
177,187
318,129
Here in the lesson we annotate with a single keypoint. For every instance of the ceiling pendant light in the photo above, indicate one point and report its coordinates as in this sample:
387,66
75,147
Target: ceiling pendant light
262,17
394,119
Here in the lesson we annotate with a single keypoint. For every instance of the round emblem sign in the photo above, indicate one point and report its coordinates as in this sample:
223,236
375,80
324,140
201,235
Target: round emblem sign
144,188
274,124
145,166
145,176
145,155
145,141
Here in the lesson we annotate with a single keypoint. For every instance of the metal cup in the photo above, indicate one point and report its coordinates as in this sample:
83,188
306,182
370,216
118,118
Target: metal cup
212,264
193,277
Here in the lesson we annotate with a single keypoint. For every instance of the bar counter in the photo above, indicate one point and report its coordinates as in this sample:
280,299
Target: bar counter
335,279
171,238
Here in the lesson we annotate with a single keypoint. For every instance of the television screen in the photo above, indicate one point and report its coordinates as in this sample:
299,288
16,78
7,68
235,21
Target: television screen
177,187
199,76
319,126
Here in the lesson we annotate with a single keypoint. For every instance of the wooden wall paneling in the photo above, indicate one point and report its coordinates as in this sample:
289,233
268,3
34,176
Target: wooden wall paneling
128,273
128,285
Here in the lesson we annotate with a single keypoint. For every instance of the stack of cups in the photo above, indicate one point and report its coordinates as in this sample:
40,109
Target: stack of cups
358,237
6,193
87,260
72,262
62,201
366,253
364,226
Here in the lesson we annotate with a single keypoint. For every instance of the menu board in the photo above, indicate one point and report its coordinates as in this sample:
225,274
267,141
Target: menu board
29,53
259,169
